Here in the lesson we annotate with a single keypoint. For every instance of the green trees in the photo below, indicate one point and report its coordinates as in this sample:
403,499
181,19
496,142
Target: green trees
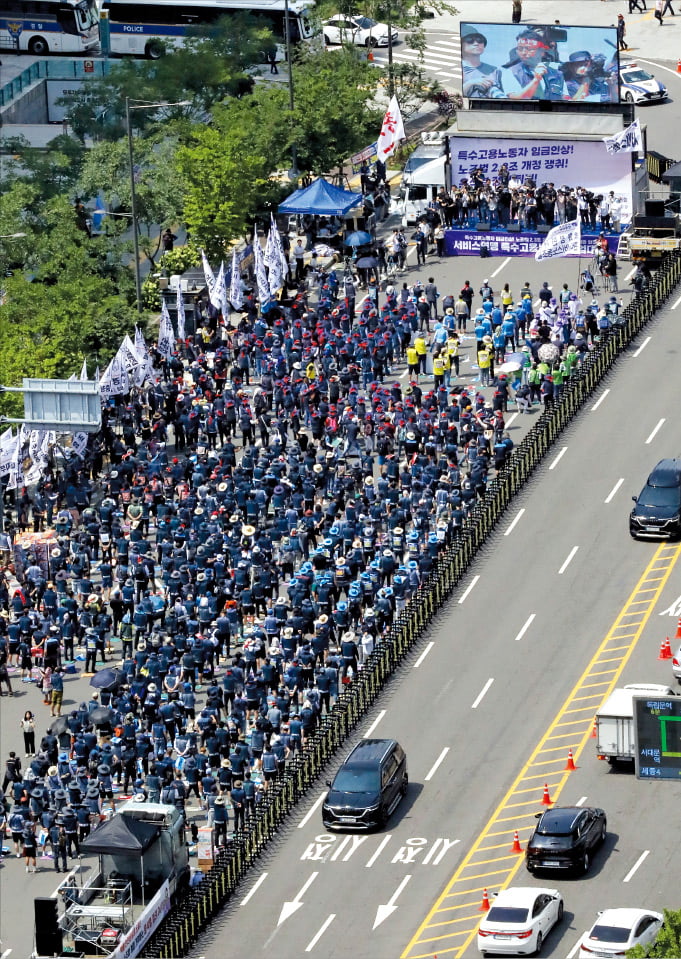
668,942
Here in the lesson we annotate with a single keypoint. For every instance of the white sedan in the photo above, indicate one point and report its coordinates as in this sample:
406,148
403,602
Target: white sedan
360,31
617,930
639,86
519,920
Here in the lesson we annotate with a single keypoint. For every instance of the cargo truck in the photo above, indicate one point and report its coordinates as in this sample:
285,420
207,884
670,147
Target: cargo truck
615,739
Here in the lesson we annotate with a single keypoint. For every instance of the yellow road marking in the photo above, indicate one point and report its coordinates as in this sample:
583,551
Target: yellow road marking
662,563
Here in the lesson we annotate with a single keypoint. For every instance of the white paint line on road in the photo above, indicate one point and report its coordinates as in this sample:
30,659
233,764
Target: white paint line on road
315,939
580,802
380,849
630,274
528,623
568,560
367,734
255,888
513,524
611,494
646,342
386,910
5,954
674,305
557,459
433,768
402,375
423,655
293,905
482,693
341,846
468,589
658,66
510,419
641,859
573,952
655,431
308,815
599,400
502,267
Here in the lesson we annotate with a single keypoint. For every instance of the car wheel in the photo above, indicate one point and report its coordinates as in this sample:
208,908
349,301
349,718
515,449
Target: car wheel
153,50
371,42
586,862
560,913
38,46
540,940
405,784
604,831
629,97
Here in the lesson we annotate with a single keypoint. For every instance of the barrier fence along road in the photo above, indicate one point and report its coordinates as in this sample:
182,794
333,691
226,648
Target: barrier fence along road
193,912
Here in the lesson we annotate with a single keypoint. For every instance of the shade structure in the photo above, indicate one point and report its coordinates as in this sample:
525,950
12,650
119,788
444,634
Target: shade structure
121,835
322,198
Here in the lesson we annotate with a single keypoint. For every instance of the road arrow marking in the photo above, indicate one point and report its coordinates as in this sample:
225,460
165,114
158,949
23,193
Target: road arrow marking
383,912
290,907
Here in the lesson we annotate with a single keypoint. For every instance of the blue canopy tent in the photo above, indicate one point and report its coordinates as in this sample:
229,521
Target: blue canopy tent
322,198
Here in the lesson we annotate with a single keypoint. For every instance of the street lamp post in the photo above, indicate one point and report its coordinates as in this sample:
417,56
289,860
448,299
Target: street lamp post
129,106
294,147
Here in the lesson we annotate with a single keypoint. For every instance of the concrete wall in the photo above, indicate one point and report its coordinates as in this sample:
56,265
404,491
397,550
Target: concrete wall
29,107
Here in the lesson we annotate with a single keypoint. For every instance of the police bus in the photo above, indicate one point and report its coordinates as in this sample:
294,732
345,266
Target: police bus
49,26
144,28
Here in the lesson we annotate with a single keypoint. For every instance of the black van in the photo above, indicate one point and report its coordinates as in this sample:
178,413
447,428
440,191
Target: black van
367,787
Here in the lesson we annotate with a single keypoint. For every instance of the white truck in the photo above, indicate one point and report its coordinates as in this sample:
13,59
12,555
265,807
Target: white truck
615,740
422,179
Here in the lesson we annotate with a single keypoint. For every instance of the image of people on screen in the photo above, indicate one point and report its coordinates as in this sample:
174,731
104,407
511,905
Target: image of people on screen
480,80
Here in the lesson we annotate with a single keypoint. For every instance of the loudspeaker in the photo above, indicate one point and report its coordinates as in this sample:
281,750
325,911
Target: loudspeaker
654,207
652,222
483,226
48,939
543,228
513,228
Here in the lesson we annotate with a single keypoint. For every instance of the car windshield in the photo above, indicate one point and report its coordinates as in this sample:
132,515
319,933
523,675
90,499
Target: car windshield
356,779
507,914
659,496
610,933
365,23
636,76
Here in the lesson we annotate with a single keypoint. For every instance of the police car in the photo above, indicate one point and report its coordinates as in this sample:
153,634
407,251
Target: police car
638,86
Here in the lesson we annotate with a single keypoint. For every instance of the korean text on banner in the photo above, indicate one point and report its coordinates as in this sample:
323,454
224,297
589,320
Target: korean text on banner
562,240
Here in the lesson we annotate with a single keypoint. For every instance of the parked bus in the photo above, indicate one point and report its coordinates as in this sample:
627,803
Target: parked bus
49,26
142,28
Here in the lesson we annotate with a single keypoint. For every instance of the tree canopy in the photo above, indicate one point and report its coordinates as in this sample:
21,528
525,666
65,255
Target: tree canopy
668,942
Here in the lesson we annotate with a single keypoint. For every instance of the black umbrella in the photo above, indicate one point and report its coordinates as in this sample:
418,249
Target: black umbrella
366,263
101,715
107,678
59,726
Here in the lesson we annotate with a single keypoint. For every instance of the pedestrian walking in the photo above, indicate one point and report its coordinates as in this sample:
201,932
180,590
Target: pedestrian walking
27,725
622,30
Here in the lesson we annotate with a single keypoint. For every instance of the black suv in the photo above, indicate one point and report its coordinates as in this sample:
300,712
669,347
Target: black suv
658,507
565,837
367,787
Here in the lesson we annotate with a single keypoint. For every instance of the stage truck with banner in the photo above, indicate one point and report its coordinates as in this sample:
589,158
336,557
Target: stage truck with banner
502,61
563,152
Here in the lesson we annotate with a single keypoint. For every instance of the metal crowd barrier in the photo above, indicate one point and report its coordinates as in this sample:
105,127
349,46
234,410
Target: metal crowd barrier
193,913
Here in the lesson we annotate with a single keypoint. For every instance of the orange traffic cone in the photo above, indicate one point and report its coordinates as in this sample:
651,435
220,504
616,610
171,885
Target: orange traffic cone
678,66
516,843
370,57
665,649
678,625
484,907
546,799
570,764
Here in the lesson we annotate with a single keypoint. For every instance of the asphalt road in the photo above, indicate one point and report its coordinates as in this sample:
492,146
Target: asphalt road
485,684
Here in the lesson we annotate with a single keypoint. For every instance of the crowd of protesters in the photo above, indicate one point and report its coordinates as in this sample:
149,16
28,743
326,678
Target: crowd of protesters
242,532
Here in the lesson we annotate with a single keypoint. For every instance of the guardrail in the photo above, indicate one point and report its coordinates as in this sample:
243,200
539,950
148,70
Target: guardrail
52,70
193,913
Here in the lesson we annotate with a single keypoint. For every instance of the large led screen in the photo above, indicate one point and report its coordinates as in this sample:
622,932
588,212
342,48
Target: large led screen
503,61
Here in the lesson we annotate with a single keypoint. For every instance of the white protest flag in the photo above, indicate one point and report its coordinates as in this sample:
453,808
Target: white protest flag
97,377
79,444
562,240
8,444
120,381
392,131
220,301
181,327
208,274
278,265
105,382
269,253
166,337
261,273
628,141
146,369
83,372
236,297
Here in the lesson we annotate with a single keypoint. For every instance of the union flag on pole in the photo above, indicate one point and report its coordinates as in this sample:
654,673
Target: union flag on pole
392,131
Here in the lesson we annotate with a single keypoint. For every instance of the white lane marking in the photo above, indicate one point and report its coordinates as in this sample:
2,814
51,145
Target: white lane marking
599,400
530,620
367,734
568,560
658,66
308,815
502,267
557,459
423,655
482,693
639,861
315,939
655,431
384,842
340,847
646,341
255,888
468,589
610,495
580,802
510,419
402,375
433,768
5,954
513,524
676,303
630,273
389,908
293,905
573,952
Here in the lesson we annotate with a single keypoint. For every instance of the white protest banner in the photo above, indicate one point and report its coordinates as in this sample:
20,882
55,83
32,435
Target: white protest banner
628,141
236,297
392,131
562,240
166,337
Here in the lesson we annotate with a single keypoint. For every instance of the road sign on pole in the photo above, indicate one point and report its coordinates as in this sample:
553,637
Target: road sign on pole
66,406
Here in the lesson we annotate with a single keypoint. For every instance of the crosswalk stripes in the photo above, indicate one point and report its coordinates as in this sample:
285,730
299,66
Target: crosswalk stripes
442,58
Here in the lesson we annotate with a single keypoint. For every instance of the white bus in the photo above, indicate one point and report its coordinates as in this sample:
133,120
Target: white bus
141,28
49,26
